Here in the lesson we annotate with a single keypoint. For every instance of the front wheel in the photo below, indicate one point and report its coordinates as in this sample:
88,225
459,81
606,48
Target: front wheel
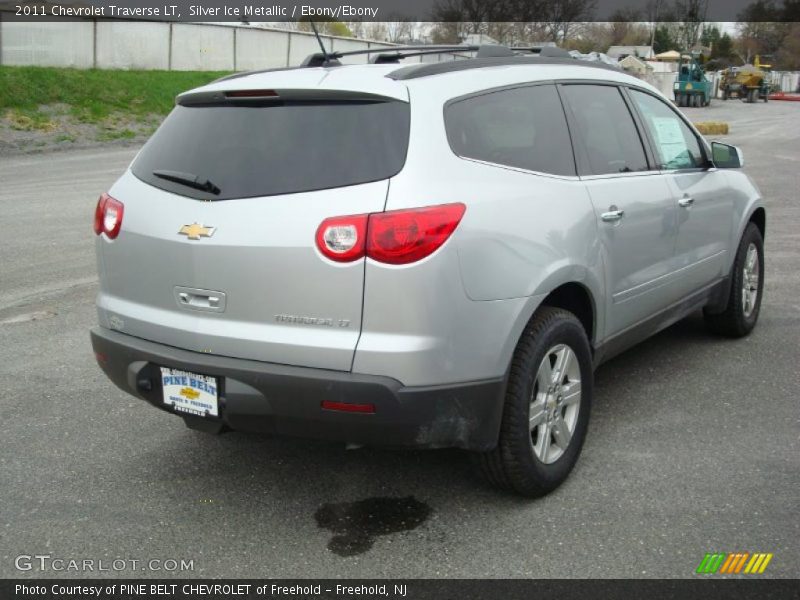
747,286
546,410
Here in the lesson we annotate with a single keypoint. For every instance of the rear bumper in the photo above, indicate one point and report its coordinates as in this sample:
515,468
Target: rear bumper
286,400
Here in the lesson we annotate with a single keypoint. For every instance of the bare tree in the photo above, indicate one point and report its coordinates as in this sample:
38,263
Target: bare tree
560,15
691,15
398,30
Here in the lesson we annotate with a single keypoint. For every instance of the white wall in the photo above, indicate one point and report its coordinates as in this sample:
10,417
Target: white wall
199,48
257,49
301,45
126,45
117,44
58,44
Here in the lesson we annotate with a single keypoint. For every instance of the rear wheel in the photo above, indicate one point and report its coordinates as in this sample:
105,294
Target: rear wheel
747,285
546,410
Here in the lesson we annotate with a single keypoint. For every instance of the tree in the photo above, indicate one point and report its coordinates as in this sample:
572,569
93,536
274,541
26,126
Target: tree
560,15
626,28
690,14
723,49
663,40
710,36
326,26
760,28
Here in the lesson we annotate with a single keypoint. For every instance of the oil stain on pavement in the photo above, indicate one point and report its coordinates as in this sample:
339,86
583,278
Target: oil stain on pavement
355,525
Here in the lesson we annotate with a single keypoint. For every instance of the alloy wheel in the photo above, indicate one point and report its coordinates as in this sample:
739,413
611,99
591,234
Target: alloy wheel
554,404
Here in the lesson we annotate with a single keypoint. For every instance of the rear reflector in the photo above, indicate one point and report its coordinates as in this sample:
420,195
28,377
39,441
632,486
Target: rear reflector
396,237
348,407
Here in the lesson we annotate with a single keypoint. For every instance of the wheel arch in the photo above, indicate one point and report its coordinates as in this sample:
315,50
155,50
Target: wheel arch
759,218
572,295
576,298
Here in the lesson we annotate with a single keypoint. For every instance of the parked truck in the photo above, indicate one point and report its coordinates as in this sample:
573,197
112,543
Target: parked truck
748,82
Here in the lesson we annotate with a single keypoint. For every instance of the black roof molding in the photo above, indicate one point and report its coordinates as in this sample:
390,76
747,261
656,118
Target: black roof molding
543,51
426,70
492,50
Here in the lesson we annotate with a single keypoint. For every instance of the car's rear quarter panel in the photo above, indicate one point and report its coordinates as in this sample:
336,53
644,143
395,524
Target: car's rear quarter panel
457,315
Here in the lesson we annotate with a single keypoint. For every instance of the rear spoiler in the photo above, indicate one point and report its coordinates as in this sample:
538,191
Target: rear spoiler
247,97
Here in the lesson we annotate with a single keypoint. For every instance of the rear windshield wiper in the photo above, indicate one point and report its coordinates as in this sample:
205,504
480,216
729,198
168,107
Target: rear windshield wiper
188,179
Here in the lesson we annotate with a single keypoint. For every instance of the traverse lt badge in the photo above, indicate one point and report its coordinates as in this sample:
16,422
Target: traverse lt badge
195,231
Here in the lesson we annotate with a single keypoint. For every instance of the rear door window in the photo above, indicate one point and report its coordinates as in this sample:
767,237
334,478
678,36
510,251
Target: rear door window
610,138
522,127
276,148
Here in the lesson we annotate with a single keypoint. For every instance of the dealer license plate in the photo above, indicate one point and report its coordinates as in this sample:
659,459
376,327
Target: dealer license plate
190,393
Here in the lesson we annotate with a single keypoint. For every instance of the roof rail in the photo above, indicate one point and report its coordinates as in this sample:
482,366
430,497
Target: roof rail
396,57
424,70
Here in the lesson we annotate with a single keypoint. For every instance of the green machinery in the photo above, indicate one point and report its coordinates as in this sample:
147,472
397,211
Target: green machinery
692,88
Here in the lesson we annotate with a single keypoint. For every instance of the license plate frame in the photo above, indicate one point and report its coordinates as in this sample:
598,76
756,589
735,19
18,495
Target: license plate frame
189,393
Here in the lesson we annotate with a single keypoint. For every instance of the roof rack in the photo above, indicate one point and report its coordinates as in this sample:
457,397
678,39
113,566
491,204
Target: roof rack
493,53
320,60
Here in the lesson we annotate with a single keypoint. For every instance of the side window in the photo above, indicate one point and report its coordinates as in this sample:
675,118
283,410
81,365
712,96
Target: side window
676,144
607,128
521,127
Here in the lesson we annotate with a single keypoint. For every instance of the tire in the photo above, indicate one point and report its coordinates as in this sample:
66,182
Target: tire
725,94
531,461
740,316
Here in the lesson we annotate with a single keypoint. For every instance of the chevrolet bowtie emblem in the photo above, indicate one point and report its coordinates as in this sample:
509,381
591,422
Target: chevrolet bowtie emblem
195,231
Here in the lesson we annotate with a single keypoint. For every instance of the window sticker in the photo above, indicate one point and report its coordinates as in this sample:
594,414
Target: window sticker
671,143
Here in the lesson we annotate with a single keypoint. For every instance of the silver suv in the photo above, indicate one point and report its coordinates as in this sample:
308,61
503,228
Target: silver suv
430,255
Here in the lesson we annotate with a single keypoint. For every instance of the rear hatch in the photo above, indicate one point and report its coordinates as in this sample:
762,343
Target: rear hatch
217,247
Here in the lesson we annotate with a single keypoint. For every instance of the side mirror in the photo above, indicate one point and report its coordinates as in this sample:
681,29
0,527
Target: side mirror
725,156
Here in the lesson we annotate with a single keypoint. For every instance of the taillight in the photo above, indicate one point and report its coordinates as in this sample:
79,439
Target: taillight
108,216
343,238
399,237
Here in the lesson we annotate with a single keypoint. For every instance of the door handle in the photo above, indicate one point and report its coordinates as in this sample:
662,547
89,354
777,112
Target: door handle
686,201
200,299
613,214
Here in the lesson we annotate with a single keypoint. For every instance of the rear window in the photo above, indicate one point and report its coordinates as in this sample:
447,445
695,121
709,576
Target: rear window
278,148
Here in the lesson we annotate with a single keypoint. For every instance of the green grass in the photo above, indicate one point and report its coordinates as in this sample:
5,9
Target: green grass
91,95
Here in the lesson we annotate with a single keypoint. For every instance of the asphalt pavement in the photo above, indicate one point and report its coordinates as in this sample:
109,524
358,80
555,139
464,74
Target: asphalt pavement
692,446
